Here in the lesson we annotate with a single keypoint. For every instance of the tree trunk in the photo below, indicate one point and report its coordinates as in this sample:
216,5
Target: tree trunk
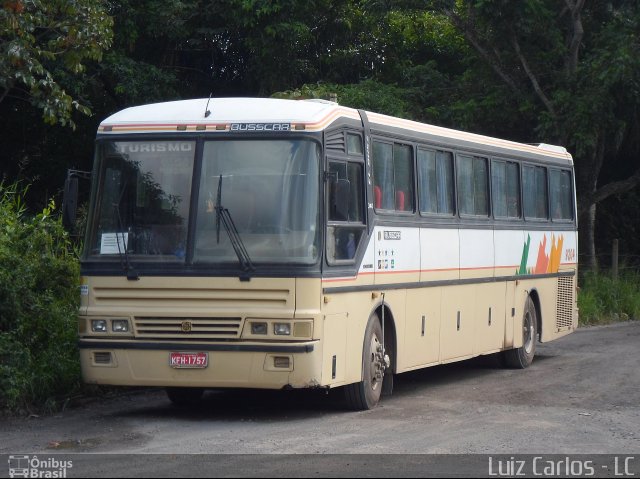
587,238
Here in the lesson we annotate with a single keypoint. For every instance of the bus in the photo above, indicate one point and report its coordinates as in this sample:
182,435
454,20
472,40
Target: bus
278,244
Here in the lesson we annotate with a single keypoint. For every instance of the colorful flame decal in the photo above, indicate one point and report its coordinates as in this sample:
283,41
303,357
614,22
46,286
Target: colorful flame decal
545,263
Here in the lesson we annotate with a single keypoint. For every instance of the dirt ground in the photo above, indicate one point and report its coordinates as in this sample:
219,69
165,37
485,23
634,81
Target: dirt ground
580,396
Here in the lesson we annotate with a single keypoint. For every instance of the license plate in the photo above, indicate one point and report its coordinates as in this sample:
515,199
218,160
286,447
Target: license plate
188,360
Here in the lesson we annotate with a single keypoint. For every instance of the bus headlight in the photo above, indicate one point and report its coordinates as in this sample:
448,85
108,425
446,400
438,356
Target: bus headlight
277,329
120,325
99,325
282,329
259,328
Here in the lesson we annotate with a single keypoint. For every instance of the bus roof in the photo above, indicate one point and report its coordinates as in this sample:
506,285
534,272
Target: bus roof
309,115
315,114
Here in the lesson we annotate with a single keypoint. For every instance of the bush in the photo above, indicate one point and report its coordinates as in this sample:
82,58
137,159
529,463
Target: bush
602,299
39,281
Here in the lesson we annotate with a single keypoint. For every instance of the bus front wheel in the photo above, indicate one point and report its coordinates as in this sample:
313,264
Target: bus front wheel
366,393
522,357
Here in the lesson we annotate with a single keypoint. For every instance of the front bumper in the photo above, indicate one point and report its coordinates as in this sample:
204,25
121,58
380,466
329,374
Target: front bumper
230,364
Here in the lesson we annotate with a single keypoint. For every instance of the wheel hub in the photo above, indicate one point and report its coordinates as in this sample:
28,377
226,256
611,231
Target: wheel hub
529,333
379,362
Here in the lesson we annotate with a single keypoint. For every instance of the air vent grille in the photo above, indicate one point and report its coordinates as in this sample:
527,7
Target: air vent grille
564,305
335,141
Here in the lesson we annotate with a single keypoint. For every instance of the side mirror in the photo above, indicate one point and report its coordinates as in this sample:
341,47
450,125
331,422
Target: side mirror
70,202
70,197
339,202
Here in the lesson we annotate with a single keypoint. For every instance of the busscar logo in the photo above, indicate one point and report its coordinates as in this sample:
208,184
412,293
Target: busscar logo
27,466
261,127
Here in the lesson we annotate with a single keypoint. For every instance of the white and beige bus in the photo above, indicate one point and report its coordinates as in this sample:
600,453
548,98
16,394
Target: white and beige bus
263,243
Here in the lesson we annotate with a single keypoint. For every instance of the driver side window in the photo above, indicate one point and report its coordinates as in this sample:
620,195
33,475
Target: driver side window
345,210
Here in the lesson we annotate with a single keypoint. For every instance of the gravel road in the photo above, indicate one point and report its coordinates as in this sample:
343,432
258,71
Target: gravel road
580,396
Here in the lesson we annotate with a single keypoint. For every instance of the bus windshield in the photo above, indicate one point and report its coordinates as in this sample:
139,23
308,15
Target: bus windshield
143,202
270,188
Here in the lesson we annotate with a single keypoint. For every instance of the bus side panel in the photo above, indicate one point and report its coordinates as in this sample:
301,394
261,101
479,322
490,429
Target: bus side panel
439,254
509,246
490,317
457,323
545,288
555,252
397,255
422,329
334,348
345,321
360,307
395,302
511,299
476,253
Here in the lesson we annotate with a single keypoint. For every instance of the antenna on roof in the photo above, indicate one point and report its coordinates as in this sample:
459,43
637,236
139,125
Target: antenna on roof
207,112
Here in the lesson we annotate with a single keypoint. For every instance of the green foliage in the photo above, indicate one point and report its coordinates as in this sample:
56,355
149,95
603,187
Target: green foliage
136,82
43,39
602,299
39,280
368,94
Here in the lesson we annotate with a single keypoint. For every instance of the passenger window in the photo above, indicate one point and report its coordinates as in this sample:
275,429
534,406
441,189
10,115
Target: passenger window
534,185
392,177
473,186
435,182
505,186
561,195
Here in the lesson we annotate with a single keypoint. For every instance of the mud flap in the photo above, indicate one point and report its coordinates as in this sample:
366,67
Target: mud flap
387,383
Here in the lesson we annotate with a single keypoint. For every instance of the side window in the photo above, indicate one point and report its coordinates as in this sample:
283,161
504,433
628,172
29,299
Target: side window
354,144
534,186
345,210
435,182
349,176
392,177
505,189
561,195
473,185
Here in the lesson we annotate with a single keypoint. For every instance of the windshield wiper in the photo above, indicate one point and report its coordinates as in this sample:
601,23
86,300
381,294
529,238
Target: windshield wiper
223,216
132,275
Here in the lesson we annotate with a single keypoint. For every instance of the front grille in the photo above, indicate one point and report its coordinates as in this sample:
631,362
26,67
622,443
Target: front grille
156,293
565,301
187,328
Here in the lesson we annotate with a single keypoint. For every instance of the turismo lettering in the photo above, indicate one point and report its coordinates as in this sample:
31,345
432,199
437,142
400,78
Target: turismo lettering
153,147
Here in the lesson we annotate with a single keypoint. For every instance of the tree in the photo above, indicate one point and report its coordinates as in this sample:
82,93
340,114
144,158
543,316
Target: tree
574,68
44,40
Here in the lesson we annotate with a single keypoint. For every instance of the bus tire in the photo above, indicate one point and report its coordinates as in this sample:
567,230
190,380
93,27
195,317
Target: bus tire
522,357
365,394
184,396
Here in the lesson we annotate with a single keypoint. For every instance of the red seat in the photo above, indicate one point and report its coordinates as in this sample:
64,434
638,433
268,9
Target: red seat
377,193
400,200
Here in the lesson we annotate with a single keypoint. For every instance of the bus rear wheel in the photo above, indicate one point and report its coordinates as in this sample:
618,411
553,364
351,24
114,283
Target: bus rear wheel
522,357
365,394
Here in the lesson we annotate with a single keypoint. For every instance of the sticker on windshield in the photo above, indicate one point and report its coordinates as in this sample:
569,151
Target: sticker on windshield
113,243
